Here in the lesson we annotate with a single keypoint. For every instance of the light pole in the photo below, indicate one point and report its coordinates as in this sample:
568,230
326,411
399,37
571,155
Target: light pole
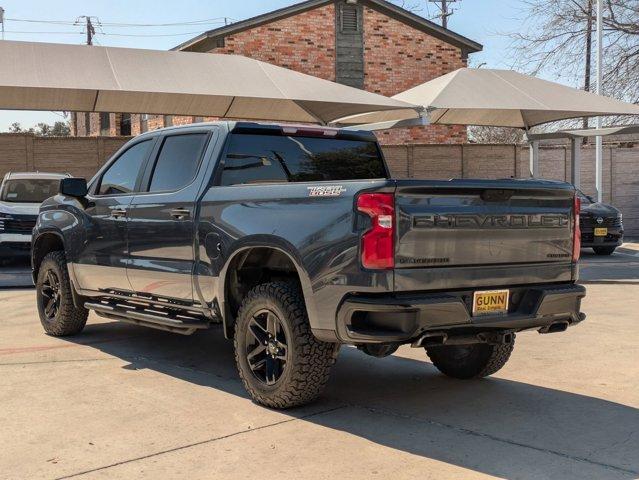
598,140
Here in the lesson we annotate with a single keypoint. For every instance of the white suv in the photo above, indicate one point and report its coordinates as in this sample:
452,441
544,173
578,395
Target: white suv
20,197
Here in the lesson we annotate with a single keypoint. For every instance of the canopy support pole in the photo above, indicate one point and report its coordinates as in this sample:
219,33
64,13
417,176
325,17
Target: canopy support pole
575,162
599,140
534,158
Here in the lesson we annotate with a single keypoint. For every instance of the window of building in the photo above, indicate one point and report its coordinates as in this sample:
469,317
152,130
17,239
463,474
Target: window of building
125,124
123,173
349,18
178,162
277,159
105,123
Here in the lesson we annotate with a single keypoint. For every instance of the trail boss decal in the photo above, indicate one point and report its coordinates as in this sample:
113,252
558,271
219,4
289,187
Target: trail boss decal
326,191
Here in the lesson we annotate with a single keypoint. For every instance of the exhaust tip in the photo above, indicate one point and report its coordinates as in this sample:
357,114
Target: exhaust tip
432,339
555,327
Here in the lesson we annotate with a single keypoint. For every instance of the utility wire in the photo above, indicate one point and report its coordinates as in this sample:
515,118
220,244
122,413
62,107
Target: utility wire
148,35
220,20
45,33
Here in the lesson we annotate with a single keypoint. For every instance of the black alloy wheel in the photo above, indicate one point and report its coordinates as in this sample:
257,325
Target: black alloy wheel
50,295
266,347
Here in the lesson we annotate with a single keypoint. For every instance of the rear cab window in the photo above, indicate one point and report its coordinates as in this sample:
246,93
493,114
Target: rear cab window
259,158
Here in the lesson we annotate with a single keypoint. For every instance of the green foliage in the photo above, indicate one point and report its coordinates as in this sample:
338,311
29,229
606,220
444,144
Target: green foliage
58,129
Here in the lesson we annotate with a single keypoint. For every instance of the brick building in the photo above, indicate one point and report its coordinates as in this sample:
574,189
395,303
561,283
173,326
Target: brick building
369,44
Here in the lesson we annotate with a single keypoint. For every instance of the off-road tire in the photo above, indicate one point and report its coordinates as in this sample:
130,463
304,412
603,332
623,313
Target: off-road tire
470,361
309,360
604,250
69,319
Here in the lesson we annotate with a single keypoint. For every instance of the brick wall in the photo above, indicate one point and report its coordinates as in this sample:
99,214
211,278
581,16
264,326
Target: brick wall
79,156
304,42
396,58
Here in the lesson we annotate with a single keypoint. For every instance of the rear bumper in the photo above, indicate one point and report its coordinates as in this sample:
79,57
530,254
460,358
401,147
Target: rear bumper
406,317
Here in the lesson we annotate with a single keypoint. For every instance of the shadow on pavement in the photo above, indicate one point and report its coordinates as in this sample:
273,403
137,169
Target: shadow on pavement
495,426
15,272
619,268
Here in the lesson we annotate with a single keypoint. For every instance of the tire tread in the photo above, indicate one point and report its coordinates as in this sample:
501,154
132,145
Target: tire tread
312,361
71,319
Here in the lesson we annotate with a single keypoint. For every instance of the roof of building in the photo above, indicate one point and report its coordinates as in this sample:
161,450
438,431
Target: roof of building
207,40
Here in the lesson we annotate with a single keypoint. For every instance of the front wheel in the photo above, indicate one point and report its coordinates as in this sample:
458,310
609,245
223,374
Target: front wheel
604,250
281,363
58,314
470,361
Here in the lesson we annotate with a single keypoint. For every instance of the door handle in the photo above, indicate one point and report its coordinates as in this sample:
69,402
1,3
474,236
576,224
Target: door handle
180,213
118,212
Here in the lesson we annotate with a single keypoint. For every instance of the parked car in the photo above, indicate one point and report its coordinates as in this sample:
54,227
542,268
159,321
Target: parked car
601,225
20,197
297,241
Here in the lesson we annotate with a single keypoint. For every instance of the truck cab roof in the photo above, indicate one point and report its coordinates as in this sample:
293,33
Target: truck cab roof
264,128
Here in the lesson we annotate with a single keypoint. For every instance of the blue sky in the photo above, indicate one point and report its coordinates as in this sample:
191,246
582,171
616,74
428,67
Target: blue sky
479,20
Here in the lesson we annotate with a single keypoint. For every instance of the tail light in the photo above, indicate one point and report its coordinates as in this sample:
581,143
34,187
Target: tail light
378,242
576,242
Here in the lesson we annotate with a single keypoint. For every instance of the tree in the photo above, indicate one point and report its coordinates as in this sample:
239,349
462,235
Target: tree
496,135
58,129
556,39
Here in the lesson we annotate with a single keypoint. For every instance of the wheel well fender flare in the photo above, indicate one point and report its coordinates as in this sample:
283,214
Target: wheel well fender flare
269,242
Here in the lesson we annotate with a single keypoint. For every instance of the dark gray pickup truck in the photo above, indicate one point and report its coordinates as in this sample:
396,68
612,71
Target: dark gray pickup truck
296,240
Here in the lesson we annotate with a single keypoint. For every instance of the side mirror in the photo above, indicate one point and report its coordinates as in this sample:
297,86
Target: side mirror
74,187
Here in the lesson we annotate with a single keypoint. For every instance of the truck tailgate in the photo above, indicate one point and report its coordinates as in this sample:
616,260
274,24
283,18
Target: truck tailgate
483,225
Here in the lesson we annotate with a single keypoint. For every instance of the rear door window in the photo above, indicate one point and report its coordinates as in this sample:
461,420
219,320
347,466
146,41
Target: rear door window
177,162
122,175
254,159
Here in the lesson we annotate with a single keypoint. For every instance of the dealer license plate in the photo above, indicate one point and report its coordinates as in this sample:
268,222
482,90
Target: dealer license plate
490,302
601,232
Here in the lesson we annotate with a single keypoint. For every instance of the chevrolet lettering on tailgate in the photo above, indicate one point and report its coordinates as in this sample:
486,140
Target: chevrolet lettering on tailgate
491,221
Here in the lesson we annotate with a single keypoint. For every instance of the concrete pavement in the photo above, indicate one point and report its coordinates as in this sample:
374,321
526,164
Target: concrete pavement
121,401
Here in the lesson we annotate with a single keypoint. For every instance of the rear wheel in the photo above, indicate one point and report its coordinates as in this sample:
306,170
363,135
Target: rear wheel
604,250
58,314
281,363
470,361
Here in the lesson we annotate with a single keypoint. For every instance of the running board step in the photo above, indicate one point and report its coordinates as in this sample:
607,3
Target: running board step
176,323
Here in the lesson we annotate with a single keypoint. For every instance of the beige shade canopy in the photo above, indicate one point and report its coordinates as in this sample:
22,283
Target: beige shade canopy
503,98
45,76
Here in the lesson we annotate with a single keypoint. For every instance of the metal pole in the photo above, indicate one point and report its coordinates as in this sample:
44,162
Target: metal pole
598,140
534,159
2,21
575,162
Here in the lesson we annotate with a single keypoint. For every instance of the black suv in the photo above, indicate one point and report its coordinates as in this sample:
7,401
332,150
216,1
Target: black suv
601,225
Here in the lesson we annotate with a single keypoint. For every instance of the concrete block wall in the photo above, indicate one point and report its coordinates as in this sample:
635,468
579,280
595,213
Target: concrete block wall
620,168
83,156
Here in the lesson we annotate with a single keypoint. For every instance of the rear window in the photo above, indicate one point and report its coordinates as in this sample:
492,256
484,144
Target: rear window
277,159
29,190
